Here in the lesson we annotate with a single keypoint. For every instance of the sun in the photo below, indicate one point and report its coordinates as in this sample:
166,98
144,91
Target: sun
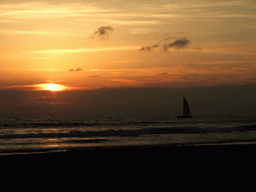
51,87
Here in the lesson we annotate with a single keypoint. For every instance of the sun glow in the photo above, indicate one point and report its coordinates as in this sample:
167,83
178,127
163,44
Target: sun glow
52,87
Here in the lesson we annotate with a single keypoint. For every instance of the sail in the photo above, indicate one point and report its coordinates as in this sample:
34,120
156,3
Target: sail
186,110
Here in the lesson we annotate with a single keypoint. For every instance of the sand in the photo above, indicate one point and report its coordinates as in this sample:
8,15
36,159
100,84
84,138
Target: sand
148,167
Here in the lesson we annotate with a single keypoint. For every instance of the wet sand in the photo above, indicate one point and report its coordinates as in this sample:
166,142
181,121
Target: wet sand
148,167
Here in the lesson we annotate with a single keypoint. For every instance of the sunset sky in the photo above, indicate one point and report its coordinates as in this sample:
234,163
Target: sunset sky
67,57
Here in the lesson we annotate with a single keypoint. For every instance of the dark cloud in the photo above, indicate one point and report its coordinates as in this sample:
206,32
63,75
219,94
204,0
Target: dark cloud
103,30
155,46
146,48
78,69
178,44
165,73
149,48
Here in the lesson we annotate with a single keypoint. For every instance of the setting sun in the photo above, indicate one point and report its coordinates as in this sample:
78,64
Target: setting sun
52,87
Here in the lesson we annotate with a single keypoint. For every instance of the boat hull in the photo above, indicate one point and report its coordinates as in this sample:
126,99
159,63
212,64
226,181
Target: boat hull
185,116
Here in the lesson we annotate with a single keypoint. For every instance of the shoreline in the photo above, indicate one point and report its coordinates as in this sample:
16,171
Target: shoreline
133,167
65,149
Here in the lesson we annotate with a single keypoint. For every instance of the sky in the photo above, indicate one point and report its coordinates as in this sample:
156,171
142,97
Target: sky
91,57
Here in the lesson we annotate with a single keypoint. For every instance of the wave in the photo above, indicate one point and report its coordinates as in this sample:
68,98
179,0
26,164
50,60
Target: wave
97,140
39,125
133,132
71,124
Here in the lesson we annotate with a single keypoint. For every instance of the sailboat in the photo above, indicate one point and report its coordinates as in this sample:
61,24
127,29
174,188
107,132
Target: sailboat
186,110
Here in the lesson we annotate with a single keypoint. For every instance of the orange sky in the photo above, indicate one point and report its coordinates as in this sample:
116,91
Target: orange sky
88,45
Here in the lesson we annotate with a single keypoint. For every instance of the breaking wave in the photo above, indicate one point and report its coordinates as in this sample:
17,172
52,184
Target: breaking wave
72,124
131,132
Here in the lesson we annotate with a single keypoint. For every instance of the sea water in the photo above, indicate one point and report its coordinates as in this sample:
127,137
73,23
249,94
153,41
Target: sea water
30,134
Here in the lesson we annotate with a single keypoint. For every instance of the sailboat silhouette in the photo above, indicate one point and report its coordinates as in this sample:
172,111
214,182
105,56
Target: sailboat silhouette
186,110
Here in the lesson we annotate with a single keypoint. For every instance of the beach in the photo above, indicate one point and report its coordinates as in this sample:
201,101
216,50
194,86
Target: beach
133,167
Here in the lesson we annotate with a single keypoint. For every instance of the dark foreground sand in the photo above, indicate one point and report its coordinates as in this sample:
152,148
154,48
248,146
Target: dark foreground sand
151,167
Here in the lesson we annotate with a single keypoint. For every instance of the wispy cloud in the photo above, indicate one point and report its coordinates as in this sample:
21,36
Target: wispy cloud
82,50
23,32
42,10
197,48
45,70
78,69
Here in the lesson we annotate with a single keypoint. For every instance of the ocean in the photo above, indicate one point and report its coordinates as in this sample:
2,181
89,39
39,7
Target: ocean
45,134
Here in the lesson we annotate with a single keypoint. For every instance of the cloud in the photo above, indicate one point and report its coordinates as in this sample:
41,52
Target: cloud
149,48
178,44
103,30
78,69
165,73
83,50
197,48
